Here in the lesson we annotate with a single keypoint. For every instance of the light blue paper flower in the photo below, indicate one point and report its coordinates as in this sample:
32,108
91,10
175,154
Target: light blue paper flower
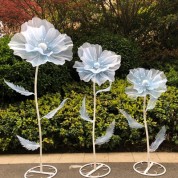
39,42
146,82
97,65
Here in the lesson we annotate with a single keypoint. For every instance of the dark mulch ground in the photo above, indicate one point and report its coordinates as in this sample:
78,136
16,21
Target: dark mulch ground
119,170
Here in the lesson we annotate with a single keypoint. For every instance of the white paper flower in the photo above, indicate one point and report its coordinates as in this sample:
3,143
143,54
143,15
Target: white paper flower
97,65
146,82
39,42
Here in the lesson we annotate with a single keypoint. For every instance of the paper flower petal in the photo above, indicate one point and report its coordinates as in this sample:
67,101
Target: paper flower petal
39,42
146,82
97,65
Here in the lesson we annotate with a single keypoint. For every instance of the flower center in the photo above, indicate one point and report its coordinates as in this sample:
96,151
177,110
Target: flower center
145,83
96,65
43,46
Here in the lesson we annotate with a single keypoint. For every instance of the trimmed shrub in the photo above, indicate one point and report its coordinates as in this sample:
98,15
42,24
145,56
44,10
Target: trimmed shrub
66,131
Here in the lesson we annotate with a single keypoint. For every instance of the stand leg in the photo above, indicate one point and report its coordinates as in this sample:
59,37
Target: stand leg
38,117
146,130
94,120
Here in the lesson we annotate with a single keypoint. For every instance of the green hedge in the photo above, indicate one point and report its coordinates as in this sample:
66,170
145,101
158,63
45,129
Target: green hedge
66,131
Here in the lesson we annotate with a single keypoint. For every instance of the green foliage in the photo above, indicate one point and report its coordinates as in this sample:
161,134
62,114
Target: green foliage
167,18
172,76
157,30
66,131
18,71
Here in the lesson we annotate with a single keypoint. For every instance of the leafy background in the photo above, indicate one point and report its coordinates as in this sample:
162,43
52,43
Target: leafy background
67,131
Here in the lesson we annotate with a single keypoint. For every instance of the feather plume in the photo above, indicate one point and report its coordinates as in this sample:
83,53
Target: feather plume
105,90
109,132
132,122
29,145
83,112
160,137
18,89
54,111
151,103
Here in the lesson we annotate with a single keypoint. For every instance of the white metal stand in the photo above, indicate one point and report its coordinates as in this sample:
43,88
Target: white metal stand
149,169
48,172
101,170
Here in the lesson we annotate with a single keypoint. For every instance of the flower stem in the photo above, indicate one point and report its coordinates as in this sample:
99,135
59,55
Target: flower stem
38,117
146,130
94,120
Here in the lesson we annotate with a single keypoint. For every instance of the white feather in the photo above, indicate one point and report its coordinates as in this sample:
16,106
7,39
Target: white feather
83,112
160,137
109,132
29,145
151,103
18,89
105,90
54,111
132,122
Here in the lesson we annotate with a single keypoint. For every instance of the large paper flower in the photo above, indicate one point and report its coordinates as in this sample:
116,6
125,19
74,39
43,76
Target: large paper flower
97,65
39,42
146,82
